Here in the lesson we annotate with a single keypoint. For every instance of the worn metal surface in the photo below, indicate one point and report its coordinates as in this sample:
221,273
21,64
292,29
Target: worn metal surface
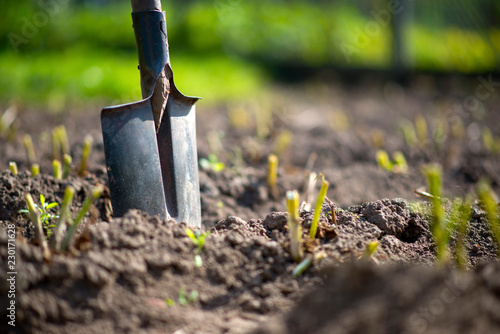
159,132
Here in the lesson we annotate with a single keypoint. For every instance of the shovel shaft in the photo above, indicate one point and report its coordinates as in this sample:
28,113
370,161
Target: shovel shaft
145,5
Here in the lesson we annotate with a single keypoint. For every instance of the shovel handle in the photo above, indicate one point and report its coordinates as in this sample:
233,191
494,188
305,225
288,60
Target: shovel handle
146,5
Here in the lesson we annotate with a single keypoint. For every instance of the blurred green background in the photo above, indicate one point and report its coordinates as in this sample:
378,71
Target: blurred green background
60,54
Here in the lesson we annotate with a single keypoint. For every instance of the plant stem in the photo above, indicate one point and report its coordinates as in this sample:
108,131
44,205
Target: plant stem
37,222
57,169
87,149
35,169
66,166
13,167
292,201
96,193
64,217
490,205
318,207
272,174
30,150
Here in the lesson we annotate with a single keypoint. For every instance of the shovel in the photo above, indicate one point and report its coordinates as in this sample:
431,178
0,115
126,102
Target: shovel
150,145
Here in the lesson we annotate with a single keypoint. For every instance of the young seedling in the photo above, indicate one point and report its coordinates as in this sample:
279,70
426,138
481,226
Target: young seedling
282,142
184,299
35,169
310,187
66,166
57,169
13,168
96,193
272,174
409,133
459,219
421,127
383,161
212,163
198,239
7,120
30,150
400,164
36,219
318,206
56,145
370,249
438,226
294,228
490,204
64,219
63,139
87,149
44,211
302,266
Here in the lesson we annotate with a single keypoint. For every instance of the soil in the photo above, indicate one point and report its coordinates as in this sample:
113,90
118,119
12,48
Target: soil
139,274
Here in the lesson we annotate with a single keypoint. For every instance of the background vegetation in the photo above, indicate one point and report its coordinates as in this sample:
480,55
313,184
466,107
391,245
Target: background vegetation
79,52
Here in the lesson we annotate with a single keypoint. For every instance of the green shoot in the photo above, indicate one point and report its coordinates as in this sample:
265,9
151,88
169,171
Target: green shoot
302,266
294,228
212,163
438,226
170,301
96,193
185,300
488,139
87,149
57,169
400,164
490,204
319,205
409,133
282,142
383,161
13,167
66,166
30,150
198,239
63,139
459,219
35,169
35,217
370,249
56,145
421,127
272,174
46,217
65,217
7,119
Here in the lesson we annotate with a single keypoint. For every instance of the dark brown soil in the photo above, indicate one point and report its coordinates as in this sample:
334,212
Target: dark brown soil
122,271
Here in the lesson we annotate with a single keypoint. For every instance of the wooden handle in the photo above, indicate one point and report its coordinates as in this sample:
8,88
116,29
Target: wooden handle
145,5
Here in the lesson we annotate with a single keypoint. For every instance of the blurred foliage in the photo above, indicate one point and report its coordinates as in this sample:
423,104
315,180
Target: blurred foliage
69,51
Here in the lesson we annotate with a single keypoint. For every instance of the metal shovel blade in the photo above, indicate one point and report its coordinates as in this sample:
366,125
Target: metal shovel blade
132,159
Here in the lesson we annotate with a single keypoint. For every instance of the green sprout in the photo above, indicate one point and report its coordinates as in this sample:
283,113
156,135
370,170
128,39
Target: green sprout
302,266
409,133
272,174
56,145
36,219
63,139
44,211
13,168
35,169
30,150
198,239
438,227
87,149
294,228
319,204
7,120
212,163
421,127
67,160
94,195
383,161
65,217
57,169
459,219
490,205
370,249
400,164
282,142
